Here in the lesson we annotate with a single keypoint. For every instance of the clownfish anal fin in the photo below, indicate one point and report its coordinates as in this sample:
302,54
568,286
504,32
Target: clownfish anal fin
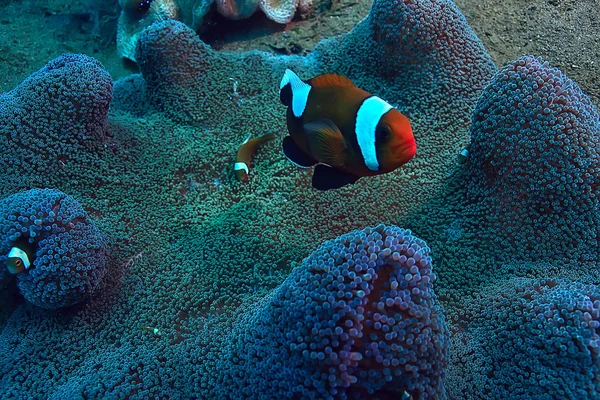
325,142
295,154
325,178
325,80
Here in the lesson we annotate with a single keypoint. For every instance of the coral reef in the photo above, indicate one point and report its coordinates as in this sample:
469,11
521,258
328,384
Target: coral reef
199,254
358,319
137,15
70,255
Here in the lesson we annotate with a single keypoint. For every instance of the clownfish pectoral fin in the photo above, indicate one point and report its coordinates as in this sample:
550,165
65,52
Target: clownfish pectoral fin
325,142
295,154
325,178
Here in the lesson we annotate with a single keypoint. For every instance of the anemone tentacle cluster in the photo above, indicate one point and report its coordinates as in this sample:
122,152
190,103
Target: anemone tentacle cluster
54,120
70,254
216,266
545,332
535,159
360,319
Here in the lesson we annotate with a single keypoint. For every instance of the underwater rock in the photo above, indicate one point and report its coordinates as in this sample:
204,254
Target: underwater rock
358,319
69,250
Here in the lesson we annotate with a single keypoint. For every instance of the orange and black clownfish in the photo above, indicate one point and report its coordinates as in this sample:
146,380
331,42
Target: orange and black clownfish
346,131
245,153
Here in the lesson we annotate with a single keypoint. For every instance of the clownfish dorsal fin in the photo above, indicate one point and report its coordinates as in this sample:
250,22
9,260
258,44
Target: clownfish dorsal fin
293,92
325,142
325,80
247,139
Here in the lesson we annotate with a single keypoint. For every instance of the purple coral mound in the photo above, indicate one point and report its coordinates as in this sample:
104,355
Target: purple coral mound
358,319
56,113
70,255
424,32
535,155
173,61
533,339
426,45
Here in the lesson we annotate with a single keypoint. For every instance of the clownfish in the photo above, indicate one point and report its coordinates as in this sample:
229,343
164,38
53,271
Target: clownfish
20,258
245,153
346,131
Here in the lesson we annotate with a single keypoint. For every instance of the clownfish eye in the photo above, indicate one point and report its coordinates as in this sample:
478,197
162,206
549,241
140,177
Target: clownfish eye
19,263
382,134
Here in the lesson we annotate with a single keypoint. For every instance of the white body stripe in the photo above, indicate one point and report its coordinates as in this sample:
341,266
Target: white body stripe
367,118
241,166
15,252
300,91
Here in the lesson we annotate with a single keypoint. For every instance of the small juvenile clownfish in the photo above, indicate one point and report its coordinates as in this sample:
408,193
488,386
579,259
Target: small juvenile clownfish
245,153
346,131
20,258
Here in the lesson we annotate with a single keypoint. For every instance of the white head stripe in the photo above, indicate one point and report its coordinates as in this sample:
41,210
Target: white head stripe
464,153
300,91
241,166
367,118
15,252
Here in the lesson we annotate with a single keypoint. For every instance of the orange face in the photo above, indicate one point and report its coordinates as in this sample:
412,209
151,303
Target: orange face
394,140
